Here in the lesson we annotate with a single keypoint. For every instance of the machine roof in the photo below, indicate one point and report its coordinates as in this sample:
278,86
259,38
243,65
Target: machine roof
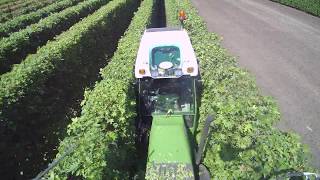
165,37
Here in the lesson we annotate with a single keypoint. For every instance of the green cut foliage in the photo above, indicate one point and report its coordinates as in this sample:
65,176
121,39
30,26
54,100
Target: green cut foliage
309,6
14,48
23,21
243,142
104,133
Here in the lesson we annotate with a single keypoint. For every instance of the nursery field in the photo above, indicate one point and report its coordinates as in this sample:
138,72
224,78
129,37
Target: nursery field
67,85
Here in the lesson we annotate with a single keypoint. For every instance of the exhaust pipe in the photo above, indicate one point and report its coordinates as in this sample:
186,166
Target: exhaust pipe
203,139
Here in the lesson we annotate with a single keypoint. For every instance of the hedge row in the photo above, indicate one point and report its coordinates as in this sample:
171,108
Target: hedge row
23,21
309,6
16,7
244,144
16,47
69,52
104,133
6,2
52,82
31,7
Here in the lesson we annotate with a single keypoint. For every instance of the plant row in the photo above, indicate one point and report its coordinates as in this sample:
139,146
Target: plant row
244,144
57,76
104,133
16,7
19,44
25,20
31,7
7,2
7,10
309,6
30,76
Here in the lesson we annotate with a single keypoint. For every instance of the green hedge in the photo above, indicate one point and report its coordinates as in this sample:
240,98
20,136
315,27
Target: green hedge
35,5
49,87
104,133
16,47
5,2
23,21
309,6
69,53
14,7
244,144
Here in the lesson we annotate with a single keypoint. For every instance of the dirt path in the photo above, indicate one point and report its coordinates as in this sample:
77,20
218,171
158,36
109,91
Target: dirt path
281,47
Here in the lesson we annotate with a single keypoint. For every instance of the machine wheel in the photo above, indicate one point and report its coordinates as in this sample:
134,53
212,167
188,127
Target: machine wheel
203,173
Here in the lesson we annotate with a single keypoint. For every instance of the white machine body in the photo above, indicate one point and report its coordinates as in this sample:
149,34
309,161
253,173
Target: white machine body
165,53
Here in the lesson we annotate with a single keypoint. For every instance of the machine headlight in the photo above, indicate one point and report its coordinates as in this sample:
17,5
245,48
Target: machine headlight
190,69
142,71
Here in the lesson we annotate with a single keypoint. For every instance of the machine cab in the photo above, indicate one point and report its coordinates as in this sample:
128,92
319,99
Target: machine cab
165,53
166,69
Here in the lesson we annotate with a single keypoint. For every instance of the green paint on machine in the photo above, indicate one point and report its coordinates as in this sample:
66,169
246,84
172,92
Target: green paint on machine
169,140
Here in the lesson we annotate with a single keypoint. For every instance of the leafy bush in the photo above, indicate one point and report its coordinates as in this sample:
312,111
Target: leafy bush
51,84
104,133
23,21
33,6
244,144
5,2
14,48
67,54
16,7
309,6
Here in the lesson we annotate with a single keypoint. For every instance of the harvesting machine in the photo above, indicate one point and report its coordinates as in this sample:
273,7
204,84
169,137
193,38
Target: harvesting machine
167,75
